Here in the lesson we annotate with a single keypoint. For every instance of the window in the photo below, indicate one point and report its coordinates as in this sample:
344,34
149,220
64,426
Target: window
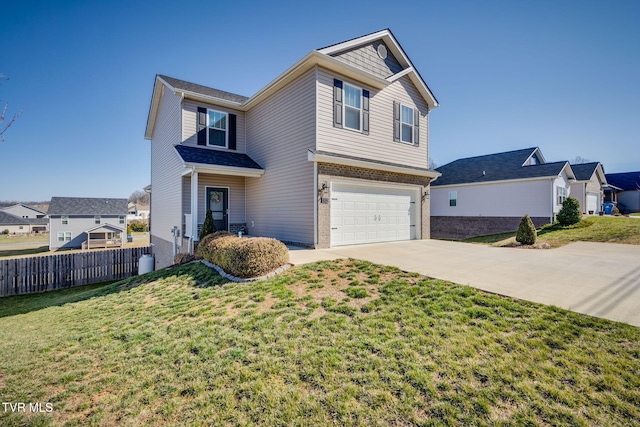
406,120
352,107
64,236
217,129
64,220
562,194
121,219
96,219
453,198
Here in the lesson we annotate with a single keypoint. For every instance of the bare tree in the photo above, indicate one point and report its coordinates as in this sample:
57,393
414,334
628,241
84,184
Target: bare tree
578,160
4,122
432,164
140,197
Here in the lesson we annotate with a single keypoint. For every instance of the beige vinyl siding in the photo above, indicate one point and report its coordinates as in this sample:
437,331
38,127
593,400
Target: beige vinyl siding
506,199
166,168
379,144
189,116
235,184
281,129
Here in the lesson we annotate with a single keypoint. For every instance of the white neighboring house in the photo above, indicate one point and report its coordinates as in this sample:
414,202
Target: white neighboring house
490,194
137,212
588,187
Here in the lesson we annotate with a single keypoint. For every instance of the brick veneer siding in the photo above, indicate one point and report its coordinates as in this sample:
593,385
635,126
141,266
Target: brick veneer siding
327,172
463,227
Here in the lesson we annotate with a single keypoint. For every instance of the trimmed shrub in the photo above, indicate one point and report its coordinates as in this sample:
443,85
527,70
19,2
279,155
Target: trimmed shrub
244,257
203,245
208,227
137,226
570,213
526,231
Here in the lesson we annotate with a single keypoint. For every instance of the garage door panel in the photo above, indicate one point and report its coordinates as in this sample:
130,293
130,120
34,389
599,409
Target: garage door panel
366,214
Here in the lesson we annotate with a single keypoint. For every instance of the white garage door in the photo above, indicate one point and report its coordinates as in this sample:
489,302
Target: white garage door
592,203
368,214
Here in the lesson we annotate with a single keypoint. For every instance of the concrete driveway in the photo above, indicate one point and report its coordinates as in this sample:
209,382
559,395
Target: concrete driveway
599,279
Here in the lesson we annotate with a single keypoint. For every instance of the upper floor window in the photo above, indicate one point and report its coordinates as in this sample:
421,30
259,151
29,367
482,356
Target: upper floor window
406,124
64,219
350,107
217,129
121,219
406,120
96,219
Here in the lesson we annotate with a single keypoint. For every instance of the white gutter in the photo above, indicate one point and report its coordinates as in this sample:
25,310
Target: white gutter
223,170
504,181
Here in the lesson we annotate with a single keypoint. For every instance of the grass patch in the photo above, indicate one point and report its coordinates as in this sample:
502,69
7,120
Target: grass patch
184,347
592,229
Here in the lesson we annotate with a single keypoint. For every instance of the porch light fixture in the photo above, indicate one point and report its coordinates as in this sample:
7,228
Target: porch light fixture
322,190
426,195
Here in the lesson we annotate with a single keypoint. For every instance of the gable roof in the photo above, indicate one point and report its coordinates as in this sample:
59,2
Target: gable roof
505,166
584,171
321,57
87,206
625,181
218,159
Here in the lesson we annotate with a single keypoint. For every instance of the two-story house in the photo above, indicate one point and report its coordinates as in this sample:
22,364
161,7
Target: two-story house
332,152
86,222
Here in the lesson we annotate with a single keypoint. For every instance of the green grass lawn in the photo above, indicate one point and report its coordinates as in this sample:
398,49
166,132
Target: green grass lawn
344,343
592,229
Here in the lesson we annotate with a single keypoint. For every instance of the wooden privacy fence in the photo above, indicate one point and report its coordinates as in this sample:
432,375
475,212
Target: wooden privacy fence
20,276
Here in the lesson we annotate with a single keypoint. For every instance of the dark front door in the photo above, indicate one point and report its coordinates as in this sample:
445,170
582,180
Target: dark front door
218,202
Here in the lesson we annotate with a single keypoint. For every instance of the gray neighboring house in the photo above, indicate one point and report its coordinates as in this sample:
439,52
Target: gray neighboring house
489,194
83,222
334,151
624,189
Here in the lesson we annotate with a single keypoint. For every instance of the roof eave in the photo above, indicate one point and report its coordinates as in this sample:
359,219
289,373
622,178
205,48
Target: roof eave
501,181
222,170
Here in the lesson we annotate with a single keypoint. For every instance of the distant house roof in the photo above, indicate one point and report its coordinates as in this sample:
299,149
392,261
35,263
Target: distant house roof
87,206
216,157
499,167
8,219
584,171
626,181
203,90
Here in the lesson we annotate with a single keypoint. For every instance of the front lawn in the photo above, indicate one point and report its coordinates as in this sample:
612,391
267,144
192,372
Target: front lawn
331,343
605,229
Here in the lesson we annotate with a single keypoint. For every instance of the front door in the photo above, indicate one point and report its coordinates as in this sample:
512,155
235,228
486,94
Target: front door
218,202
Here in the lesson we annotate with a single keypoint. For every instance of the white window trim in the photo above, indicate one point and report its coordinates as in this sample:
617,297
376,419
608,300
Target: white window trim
455,197
121,219
345,106
413,142
63,218
563,195
226,131
63,234
97,220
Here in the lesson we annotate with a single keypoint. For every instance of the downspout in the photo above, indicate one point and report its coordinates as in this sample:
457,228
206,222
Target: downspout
194,207
552,201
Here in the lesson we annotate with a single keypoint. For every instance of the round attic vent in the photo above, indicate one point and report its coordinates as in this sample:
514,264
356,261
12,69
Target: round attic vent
382,51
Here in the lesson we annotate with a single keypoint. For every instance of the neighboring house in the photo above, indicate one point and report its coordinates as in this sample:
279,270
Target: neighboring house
588,186
334,151
17,218
625,190
489,194
137,211
76,222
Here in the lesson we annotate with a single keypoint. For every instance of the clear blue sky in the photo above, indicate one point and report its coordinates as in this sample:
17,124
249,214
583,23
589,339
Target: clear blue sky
561,75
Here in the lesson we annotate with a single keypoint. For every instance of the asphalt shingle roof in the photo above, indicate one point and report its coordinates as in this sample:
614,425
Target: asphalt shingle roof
584,171
87,206
204,90
495,167
627,181
8,219
216,157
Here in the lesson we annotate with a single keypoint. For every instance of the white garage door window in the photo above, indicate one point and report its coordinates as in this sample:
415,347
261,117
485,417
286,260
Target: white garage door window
367,214
592,203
